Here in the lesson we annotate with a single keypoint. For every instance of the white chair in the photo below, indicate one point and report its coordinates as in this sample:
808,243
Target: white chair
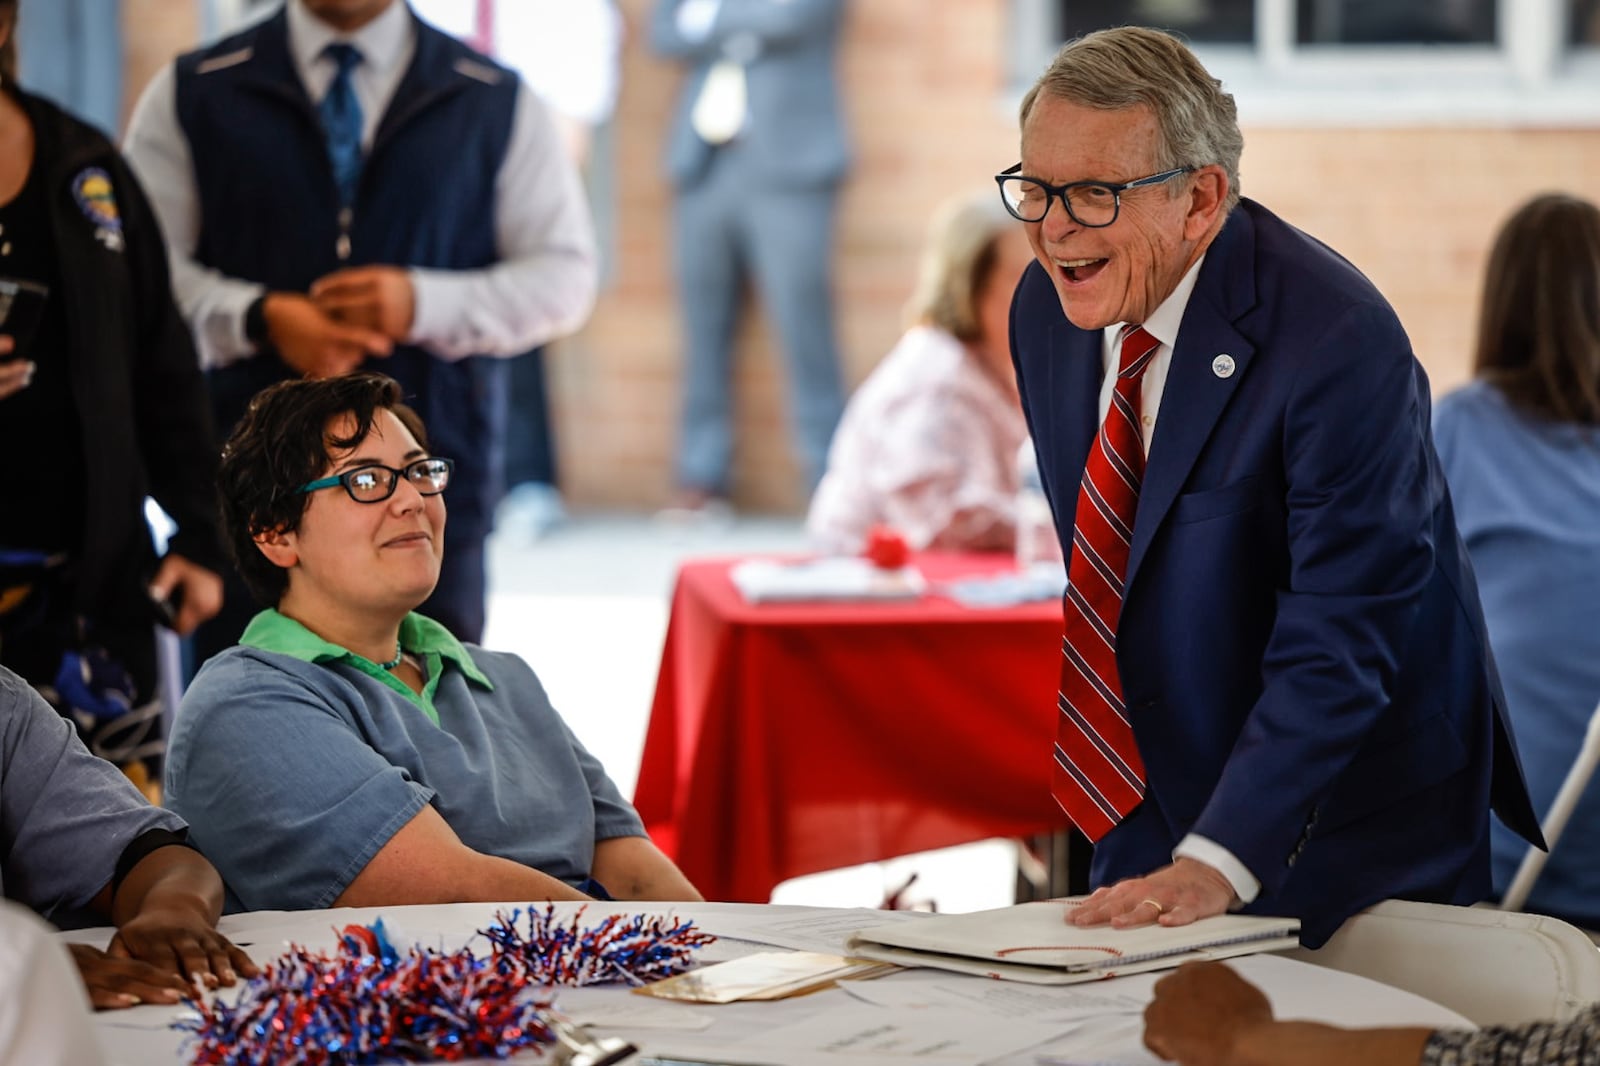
1490,966
1555,821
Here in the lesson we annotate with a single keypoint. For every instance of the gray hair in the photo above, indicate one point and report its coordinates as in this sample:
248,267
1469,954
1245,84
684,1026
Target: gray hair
957,260
1131,66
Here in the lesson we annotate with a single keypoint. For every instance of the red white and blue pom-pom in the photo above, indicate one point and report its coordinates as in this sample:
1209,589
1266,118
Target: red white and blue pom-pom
367,1003
620,949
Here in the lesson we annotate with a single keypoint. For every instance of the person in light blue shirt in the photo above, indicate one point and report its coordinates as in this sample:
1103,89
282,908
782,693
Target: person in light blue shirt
1520,447
81,847
351,752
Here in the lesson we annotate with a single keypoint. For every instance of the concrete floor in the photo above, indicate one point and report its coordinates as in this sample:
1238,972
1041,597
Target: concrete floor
586,605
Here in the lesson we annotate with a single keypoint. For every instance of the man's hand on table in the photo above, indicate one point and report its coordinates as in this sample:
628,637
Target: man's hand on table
1184,892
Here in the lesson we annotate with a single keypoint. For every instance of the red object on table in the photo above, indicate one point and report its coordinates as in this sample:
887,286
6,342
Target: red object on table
788,738
887,548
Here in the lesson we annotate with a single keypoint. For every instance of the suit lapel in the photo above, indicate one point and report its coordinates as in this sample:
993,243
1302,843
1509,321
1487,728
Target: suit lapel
1199,385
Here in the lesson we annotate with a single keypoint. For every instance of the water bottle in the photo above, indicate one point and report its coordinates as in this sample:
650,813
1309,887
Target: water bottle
1038,547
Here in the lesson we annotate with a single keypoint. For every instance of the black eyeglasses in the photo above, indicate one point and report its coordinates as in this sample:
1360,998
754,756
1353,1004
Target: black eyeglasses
1090,203
375,482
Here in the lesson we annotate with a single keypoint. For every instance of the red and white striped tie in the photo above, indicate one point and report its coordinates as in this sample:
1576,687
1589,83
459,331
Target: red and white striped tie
1099,776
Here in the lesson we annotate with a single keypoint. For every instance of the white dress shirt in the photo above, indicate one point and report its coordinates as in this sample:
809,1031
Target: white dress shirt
542,287
1163,325
44,1010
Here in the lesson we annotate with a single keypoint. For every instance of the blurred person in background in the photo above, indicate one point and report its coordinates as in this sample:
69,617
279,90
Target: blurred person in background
928,443
568,52
755,154
1520,447
101,403
344,185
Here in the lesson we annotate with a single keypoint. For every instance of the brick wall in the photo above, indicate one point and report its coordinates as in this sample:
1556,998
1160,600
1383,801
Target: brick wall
924,85
153,32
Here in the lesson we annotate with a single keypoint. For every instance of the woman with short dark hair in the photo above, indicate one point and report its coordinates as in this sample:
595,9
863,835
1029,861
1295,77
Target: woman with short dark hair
350,751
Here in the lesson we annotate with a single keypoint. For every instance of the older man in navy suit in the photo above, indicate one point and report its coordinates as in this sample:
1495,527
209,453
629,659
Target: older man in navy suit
1276,690
756,153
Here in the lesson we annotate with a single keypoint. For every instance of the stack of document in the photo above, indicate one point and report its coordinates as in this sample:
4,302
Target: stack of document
830,578
1032,942
764,975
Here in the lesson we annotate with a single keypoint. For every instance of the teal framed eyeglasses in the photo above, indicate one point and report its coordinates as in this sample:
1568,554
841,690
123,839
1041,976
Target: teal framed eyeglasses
375,482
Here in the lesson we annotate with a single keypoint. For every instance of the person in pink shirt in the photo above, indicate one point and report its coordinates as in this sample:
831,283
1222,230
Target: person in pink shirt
928,443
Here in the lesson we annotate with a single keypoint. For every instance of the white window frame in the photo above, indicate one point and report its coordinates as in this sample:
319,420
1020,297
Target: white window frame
221,17
1531,78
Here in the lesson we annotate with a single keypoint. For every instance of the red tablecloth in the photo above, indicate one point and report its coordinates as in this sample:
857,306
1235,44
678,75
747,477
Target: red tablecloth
791,738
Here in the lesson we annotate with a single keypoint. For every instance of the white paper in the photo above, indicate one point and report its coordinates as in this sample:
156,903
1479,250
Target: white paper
825,931
999,999
1117,1041
866,1033
634,1012
829,578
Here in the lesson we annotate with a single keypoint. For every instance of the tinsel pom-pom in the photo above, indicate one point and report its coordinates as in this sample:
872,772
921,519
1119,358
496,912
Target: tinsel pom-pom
367,1003
632,949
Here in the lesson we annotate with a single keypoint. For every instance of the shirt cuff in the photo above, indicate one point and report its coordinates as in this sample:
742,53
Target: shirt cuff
221,340
1220,859
435,313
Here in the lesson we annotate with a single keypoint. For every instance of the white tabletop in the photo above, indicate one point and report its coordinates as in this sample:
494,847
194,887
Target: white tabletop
933,1017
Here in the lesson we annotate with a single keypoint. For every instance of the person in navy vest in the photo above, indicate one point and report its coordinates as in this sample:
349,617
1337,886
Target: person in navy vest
342,185
1277,693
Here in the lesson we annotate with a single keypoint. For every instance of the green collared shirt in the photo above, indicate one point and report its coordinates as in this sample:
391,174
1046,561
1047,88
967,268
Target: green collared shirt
429,641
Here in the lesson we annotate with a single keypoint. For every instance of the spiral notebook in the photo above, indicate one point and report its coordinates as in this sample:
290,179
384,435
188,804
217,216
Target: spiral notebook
1032,942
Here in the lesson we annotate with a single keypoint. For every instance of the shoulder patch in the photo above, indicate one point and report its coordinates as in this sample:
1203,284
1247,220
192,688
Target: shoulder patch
223,62
479,71
97,200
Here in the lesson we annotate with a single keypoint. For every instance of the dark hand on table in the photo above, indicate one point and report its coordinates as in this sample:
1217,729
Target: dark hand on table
1200,1012
154,957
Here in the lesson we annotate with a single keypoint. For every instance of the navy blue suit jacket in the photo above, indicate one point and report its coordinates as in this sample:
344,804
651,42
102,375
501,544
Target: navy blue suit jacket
1301,645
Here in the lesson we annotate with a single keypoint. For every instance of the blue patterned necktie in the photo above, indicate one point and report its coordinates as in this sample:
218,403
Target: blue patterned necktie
341,121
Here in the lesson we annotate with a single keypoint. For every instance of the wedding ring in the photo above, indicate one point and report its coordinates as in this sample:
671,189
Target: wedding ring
1160,910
